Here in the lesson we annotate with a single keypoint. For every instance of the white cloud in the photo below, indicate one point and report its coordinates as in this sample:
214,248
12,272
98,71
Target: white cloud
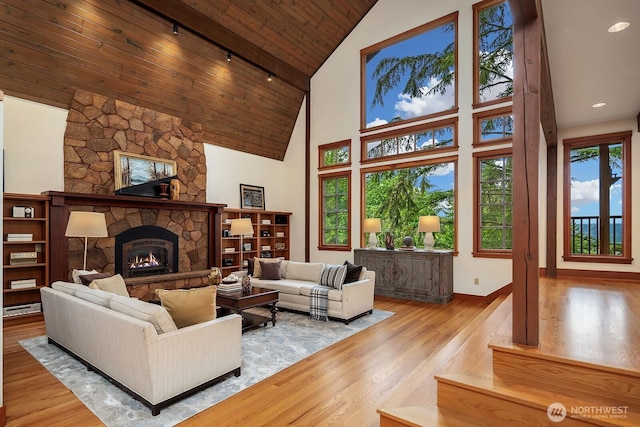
583,193
408,107
377,122
442,170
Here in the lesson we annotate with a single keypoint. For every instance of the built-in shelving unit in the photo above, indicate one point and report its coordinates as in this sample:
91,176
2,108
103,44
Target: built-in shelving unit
25,256
270,238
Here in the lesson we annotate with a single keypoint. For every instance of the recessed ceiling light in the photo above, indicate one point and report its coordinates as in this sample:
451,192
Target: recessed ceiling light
619,26
599,104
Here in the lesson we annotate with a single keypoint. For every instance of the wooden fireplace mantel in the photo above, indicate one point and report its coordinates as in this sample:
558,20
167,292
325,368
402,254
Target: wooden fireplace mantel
59,208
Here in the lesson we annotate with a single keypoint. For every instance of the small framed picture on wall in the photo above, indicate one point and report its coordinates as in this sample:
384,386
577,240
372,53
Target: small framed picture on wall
251,197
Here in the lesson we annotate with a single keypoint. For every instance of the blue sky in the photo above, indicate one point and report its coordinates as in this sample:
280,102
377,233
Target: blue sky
585,190
395,102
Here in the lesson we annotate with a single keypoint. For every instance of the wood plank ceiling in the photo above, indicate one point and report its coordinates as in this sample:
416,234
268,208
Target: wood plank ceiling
127,50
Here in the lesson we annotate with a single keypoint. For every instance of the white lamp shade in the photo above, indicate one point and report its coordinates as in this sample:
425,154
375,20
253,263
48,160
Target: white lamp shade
241,226
430,223
372,225
86,224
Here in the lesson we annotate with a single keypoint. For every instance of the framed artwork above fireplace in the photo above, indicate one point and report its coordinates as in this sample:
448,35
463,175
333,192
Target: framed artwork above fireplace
134,169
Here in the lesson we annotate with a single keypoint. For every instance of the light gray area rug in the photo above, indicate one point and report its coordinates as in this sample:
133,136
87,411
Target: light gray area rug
265,351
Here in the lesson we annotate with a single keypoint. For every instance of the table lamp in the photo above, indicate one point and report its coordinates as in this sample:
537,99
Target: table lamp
429,224
372,226
241,227
86,224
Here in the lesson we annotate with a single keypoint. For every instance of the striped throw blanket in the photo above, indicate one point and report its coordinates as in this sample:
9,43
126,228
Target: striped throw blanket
319,302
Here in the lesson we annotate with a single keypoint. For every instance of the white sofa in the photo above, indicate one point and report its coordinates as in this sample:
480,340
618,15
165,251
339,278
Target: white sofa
354,300
157,368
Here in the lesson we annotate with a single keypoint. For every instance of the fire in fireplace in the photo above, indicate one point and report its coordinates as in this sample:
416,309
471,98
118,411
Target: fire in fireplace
146,250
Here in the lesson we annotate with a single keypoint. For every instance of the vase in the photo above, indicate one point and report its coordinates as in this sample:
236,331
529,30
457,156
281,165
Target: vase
246,285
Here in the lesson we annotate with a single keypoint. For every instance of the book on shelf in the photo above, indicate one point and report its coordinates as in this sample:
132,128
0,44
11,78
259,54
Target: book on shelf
229,250
265,221
265,248
279,233
19,237
23,284
21,261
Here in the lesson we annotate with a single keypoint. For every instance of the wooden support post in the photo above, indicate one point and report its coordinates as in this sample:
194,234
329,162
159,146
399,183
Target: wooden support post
526,143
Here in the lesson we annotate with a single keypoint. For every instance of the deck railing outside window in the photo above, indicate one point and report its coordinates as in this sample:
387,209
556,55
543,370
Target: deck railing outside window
585,235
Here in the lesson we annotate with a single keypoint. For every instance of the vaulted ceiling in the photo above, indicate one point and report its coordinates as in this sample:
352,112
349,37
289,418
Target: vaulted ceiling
127,50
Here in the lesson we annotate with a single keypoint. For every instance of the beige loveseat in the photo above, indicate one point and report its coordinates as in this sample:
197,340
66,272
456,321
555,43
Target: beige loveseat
106,332
353,300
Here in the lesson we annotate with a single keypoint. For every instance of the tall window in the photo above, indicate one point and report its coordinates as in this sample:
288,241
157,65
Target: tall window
400,194
335,217
410,76
494,203
493,52
597,198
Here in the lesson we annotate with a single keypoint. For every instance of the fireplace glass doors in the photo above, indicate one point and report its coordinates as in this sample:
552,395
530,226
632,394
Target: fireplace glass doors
146,250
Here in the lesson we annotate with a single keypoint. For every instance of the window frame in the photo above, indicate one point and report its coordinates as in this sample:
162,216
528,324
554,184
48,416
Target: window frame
477,8
478,251
450,18
407,165
322,149
321,180
479,116
588,141
450,122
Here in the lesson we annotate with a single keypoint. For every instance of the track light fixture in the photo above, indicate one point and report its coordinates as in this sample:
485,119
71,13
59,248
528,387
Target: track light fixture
269,76
228,56
175,28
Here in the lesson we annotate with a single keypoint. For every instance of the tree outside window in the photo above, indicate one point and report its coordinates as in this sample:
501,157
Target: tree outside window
494,204
335,200
399,196
493,55
411,76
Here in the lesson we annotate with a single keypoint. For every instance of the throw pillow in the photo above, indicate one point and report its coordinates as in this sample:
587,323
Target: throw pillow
114,284
353,272
333,275
189,306
270,270
155,314
257,269
75,275
86,279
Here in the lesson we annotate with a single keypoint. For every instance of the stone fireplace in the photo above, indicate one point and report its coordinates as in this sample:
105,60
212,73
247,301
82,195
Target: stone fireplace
146,250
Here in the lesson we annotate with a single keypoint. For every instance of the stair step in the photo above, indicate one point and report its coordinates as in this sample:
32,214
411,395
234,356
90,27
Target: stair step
427,416
609,385
490,399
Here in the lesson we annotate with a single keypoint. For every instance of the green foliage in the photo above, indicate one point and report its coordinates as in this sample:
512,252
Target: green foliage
400,197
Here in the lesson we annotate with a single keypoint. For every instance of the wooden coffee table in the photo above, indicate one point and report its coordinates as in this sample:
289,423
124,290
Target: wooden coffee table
259,297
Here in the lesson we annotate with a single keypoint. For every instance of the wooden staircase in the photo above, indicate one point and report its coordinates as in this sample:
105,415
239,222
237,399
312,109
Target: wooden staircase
520,387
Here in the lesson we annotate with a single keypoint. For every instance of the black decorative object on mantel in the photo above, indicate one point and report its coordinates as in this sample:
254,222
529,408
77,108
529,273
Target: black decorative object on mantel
148,189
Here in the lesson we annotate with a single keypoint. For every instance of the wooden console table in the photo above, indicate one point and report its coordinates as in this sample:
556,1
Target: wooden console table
417,275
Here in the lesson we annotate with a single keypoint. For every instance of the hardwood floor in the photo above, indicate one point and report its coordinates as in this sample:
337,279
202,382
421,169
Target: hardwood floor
341,385
388,365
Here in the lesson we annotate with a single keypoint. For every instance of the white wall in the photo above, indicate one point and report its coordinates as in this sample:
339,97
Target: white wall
597,129
33,150
283,181
335,116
